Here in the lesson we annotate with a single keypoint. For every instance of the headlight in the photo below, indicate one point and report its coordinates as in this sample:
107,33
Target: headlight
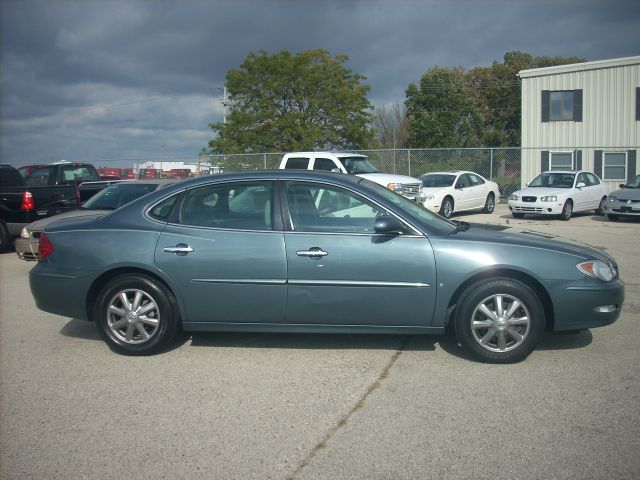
396,187
24,233
513,196
550,198
597,269
613,198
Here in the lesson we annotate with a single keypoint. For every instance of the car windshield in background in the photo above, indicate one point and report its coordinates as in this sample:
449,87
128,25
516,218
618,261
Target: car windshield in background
554,180
437,180
117,195
634,182
357,165
435,223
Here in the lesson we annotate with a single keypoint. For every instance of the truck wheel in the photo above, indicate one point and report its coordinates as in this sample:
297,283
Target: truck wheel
499,320
5,238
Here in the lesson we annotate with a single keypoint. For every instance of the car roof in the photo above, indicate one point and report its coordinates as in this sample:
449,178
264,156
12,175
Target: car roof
564,171
337,154
447,172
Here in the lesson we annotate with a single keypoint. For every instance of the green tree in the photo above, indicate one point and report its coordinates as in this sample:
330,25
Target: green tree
496,93
439,111
284,102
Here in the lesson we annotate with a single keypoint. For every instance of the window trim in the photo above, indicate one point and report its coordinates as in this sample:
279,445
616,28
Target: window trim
554,152
604,166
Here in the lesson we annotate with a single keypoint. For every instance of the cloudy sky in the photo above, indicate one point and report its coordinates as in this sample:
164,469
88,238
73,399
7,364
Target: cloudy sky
100,80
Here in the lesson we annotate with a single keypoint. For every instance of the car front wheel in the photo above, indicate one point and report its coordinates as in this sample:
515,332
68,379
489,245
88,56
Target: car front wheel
499,321
446,210
137,315
567,210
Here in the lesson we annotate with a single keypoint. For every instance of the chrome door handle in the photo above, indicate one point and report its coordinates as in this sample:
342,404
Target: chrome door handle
314,252
180,249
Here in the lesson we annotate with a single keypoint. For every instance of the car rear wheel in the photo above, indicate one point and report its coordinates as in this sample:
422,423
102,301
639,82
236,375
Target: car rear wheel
489,204
601,205
446,210
499,321
567,210
5,238
137,315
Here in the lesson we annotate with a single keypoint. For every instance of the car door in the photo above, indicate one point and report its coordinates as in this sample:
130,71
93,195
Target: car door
582,196
478,191
463,193
341,273
225,256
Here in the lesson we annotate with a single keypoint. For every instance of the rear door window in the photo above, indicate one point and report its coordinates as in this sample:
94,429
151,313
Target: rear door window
297,163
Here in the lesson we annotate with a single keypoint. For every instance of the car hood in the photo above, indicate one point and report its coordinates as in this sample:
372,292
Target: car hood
433,190
626,194
80,212
541,191
528,238
386,178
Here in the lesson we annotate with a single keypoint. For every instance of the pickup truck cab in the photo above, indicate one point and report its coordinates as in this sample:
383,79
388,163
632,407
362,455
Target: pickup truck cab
353,164
47,190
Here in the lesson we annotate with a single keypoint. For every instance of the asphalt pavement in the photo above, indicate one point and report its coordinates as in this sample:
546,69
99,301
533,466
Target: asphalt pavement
276,406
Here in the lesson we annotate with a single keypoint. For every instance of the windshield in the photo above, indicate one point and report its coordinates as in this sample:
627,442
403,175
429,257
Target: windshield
633,183
437,180
554,180
357,165
416,211
115,196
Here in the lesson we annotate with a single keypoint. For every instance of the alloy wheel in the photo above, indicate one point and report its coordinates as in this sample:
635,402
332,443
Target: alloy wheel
500,323
133,316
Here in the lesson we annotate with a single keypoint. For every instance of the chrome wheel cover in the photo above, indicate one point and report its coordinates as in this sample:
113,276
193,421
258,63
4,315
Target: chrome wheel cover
447,209
500,323
133,316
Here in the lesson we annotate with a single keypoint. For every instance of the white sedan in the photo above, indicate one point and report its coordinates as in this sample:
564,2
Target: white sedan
449,192
560,192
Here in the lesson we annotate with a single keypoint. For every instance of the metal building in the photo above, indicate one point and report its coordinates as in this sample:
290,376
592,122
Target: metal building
582,116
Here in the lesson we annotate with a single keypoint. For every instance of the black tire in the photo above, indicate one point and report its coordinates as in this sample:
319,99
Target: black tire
567,210
601,205
5,238
156,303
517,215
446,209
611,216
502,344
489,204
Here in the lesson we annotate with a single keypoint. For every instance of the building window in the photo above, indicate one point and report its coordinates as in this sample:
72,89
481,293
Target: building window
561,161
614,166
562,105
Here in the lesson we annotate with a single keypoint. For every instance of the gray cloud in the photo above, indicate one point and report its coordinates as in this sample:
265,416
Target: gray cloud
110,79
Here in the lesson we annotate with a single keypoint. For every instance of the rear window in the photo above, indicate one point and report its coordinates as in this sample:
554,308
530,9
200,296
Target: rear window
9,177
77,174
296,163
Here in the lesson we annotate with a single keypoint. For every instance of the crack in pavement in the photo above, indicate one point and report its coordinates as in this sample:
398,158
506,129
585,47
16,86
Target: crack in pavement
377,383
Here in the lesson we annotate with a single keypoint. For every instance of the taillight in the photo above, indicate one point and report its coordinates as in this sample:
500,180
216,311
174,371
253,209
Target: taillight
27,201
45,248
78,198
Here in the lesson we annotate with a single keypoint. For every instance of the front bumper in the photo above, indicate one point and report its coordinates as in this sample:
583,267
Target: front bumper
537,207
578,307
623,208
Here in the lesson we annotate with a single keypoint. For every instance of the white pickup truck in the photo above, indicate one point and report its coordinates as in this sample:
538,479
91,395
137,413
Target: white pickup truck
354,164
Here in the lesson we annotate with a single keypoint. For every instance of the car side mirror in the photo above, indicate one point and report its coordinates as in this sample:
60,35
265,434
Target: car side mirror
388,224
581,185
460,185
335,170
623,185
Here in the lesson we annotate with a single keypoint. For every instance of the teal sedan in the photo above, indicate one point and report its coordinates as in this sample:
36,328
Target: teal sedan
303,251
